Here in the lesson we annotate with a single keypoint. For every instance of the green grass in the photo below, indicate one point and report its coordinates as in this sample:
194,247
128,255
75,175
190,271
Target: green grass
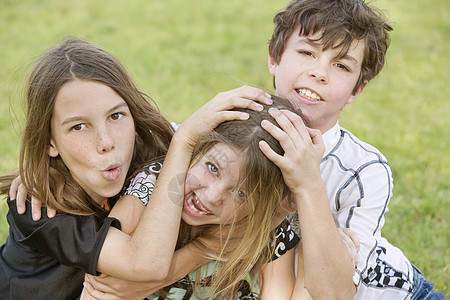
184,52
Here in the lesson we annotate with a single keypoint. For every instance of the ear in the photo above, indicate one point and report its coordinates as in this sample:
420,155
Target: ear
272,65
51,149
359,91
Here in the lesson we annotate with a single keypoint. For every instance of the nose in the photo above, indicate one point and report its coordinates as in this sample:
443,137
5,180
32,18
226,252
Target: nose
214,194
319,72
105,140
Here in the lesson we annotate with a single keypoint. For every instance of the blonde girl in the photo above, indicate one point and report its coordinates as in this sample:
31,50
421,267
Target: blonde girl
233,197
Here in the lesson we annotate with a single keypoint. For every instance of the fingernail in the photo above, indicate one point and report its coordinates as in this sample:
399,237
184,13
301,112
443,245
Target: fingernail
264,123
20,210
245,116
259,107
272,111
35,217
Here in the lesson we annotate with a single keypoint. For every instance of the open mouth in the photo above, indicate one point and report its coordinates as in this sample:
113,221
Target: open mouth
313,96
195,205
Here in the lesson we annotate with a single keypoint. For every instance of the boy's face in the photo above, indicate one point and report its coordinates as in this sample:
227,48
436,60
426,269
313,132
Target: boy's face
317,81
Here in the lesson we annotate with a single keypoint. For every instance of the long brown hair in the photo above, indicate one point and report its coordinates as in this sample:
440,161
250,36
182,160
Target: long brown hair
48,178
249,240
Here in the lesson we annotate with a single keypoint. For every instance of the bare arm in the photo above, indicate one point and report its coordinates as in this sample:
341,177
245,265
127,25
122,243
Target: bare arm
147,255
278,278
184,261
327,275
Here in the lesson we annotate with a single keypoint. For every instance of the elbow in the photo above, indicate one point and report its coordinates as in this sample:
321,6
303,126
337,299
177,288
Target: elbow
152,271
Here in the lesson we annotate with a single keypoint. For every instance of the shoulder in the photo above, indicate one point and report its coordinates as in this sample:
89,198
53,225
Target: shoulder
351,151
143,183
287,235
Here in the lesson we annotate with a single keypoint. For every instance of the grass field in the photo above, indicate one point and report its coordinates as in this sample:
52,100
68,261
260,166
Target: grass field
184,52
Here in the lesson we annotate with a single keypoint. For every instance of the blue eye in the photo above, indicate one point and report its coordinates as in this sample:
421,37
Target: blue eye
241,194
213,168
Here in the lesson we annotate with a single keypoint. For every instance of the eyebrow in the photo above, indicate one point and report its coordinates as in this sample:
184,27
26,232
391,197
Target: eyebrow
77,118
313,43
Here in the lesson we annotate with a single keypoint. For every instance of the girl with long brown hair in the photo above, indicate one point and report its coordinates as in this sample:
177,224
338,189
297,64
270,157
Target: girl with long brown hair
88,129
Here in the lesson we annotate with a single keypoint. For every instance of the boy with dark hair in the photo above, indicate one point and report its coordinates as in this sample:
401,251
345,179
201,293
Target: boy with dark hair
322,54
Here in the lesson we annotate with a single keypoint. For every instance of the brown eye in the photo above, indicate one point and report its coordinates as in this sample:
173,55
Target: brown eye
116,116
78,127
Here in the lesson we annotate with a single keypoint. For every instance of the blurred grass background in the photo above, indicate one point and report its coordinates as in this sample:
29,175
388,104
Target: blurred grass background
182,53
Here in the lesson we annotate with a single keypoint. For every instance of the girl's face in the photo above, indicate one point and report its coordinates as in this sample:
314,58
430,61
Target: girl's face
93,131
211,194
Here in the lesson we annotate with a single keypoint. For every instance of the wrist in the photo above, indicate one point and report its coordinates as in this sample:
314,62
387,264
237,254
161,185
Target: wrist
313,191
182,140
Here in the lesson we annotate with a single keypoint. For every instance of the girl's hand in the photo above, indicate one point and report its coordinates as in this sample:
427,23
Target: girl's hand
303,149
351,242
17,191
219,109
106,287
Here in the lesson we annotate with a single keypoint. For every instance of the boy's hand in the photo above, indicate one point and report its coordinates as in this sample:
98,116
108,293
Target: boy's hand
351,242
106,287
219,109
17,191
303,149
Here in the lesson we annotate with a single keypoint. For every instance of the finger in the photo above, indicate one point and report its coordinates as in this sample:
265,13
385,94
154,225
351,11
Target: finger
224,116
352,236
96,294
51,212
349,243
256,94
280,135
21,198
239,101
270,154
315,135
14,187
36,206
297,122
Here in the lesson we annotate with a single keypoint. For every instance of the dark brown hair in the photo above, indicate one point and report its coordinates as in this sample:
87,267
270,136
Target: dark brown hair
339,23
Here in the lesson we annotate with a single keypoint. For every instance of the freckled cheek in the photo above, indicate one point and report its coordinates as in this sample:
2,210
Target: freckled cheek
78,151
196,176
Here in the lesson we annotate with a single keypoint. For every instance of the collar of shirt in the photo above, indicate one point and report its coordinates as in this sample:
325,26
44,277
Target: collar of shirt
330,138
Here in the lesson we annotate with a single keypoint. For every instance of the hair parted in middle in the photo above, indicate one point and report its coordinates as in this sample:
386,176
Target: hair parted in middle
47,177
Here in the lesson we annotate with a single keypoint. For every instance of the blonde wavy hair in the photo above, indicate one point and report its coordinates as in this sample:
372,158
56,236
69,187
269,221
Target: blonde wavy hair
247,244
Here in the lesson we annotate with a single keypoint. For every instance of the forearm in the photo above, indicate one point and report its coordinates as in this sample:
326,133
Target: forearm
147,255
278,278
327,273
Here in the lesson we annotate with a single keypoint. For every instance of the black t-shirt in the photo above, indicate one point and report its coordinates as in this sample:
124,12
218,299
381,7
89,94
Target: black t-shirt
47,259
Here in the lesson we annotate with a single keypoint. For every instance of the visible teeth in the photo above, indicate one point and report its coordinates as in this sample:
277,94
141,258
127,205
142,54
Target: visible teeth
309,94
194,208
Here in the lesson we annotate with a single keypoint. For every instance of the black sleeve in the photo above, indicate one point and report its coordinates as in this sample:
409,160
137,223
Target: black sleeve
286,238
72,240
